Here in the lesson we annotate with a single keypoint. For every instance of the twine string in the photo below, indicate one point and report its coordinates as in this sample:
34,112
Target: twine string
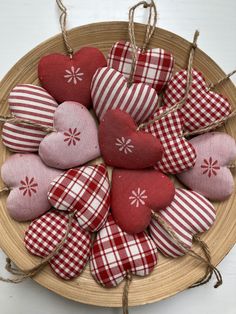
224,79
150,29
125,297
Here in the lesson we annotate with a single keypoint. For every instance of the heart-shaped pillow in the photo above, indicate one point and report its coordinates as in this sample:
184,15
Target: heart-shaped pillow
211,175
179,154
28,178
31,103
153,67
69,79
85,191
109,90
135,193
188,214
122,146
43,236
115,253
202,106
76,140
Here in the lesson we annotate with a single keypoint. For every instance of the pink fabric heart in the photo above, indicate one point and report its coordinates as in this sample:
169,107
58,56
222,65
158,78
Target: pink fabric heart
28,178
188,214
211,176
75,141
109,90
45,233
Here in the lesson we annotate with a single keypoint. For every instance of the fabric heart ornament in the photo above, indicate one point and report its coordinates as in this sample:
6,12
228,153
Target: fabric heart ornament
31,103
211,175
115,253
202,106
75,140
188,214
153,67
135,193
44,235
28,178
110,90
179,154
85,191
122,146
69,79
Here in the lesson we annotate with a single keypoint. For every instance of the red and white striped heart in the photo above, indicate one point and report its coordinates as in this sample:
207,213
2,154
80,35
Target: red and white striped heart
109,90
43,236
31,103
153,67
115,253
188,214
85,191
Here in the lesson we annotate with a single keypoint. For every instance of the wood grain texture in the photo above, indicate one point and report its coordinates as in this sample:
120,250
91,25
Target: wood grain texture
170,276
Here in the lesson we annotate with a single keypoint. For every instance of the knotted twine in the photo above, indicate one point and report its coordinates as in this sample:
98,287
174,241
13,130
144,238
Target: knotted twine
21,275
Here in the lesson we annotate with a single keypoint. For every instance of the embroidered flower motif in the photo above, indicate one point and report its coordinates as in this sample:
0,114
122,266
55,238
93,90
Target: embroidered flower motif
137,198
28,186
72,136
73,75
210,167
124,145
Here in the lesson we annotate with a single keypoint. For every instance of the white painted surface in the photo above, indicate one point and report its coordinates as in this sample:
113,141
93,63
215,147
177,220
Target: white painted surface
26,23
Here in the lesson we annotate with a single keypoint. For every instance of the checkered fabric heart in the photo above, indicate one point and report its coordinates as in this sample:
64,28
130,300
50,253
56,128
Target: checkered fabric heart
86,191
154,67
202,107
115,253
45,233
179,155
189,213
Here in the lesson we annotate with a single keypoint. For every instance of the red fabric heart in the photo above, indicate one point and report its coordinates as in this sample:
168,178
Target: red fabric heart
69,79
122,146
135,193
115,253
45,233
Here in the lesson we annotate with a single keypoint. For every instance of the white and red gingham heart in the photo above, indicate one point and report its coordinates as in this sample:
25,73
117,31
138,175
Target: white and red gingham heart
85,191
109,90
31,103
188,214
115,253
45,233
153,67
202,107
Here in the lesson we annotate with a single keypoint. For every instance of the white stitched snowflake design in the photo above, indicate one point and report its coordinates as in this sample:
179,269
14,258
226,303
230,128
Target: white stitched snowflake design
73,75
137,197
124,145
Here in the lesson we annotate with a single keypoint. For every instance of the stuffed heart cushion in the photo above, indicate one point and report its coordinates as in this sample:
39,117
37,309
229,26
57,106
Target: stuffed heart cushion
68,78
153,67
110,90
75,141
85,191
115,253
211,176
188,214
45,233
135,193
202,107
31,103
122,146
28,178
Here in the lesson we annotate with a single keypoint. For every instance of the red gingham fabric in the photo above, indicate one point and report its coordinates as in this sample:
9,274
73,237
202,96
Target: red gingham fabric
86,191
154,67
202,107
188,214
45,233
115,253
179,155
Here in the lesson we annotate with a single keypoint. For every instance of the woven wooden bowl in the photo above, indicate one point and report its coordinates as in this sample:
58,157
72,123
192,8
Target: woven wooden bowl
171,275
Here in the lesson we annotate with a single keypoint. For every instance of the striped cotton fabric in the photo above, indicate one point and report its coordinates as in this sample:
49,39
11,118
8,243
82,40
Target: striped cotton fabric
189,213
109,90
32,103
